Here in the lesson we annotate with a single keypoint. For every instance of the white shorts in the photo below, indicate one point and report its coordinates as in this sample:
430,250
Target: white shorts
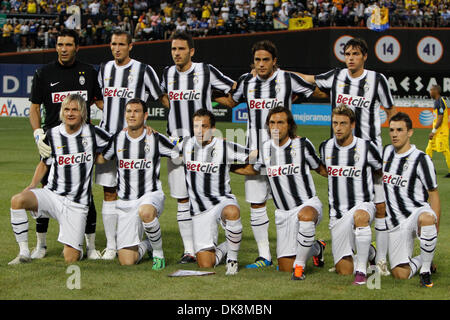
205,226
106,174
177,180
342,231
257,189
70,215
401,238
287,227
129,224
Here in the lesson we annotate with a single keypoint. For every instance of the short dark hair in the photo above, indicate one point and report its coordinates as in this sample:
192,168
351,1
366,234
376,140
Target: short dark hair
69,33
292,131
437,88
401,116
357,43
266,45
205,113
343,110
138,101
121,33
183,35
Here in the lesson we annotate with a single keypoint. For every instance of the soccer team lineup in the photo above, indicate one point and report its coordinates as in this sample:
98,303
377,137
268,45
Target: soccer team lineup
390,186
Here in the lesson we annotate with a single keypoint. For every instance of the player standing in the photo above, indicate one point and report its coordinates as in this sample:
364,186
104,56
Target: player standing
120,79
207,160
363,91
141,199
352,166
288,160
187,86
67,195
410,181
269,88
51,85
438,138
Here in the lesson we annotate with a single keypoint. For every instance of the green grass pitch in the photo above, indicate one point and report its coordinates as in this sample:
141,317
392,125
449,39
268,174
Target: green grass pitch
47,278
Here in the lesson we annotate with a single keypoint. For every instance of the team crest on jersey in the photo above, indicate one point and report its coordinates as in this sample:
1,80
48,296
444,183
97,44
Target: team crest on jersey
366,87
293,153
84,142
356,157
146,148
82,80
195,79
405,166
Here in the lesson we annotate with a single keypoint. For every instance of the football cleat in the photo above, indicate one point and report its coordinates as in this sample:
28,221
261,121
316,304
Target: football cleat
383,268
187,258
232,267
158,263
38,252
93,255
425,280
109,254
319,260
297,273
20,259
360,279
260,262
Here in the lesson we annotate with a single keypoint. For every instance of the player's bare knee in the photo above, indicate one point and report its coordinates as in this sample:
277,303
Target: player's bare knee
307,214
426,219
147,214
71,255
109,193
258,205
205,259
361,218
345,266
381,210
231,213
17,201
401,273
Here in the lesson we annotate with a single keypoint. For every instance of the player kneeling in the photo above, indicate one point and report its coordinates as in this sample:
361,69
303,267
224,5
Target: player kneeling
207,160
288,160
141,200
409,180
352,166
67,195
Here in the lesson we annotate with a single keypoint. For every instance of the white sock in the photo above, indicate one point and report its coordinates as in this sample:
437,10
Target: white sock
90,241
363,237
143,248
233,234
110,218
428,240
153,231
414,264
260,227
381,238
41,239
185,226
305,241
221,251
19,223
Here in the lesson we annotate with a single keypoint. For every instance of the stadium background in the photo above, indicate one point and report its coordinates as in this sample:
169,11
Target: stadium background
411,59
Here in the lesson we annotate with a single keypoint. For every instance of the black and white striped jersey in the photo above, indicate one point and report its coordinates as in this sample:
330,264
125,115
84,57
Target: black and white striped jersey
189,91
72,160
138,162
349,168
207,170
122,83
261,95
407,177
288,169
363,95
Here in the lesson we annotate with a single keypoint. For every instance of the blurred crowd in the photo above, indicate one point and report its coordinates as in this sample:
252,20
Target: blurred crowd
35,23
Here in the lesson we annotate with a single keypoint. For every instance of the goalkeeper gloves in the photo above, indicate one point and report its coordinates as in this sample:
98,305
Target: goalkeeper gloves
44,150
